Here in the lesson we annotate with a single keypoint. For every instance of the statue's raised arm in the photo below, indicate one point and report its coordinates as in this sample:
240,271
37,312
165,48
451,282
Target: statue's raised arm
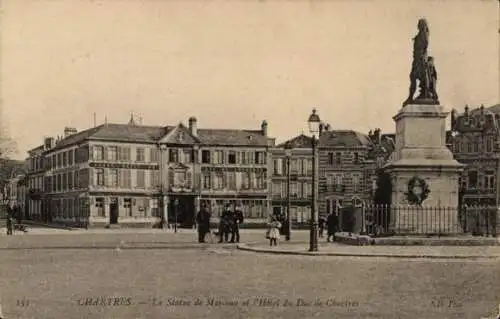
422,70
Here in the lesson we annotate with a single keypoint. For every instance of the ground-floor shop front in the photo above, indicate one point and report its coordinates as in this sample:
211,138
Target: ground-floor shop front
149,210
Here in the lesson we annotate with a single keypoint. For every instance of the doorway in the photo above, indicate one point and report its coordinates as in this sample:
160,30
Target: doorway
113,210
185,210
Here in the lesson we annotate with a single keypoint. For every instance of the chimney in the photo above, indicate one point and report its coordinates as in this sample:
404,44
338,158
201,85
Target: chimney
193,126
263,127
69,131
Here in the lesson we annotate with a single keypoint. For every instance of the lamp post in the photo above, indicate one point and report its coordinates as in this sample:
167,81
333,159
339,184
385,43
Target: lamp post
288,154
314,123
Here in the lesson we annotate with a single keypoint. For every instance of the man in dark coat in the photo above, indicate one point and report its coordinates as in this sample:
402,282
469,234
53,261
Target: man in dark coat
332,225
235,229
203,221
225,224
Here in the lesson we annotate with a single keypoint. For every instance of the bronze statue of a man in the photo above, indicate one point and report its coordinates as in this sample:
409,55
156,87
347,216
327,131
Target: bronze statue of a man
420,68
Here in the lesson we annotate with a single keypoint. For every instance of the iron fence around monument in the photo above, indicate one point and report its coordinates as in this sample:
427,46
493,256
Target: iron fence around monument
387,220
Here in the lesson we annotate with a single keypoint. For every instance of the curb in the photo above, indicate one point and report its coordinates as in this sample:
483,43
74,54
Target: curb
30,223
370,255
363,240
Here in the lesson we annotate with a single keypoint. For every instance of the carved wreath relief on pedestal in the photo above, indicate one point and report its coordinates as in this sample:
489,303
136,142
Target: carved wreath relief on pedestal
418,191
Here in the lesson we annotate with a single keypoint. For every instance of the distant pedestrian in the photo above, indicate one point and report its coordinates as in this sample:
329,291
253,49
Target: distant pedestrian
332,226
274,231
235,225
9,225
321,225
225,224
203,221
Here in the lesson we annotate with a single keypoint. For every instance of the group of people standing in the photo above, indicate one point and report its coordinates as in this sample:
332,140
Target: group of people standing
230,221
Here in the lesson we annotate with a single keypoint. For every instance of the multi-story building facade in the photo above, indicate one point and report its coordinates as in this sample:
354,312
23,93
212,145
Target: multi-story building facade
347,169
16,194
473,140
35,179
135,174
300,160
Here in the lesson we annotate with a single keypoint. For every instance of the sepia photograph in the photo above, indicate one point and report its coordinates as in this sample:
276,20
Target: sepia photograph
249,159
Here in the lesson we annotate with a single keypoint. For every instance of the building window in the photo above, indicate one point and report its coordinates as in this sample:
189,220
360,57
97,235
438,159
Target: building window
331,159
113,178
277,189
218,157
125,180
473,179
338,158
293,189
153,155
127,204
219,181
70,180
70,158
99,204
140,178
205,157
243,158
293,166
100,176
476,146
260,158
278,166
356,182
98,152
173,155
64,181
469,147
307,190
76,180
356,158
261,181
245,180
207,181
155,179
155,211
231,157
140,155
489,179
489,144
124,154
231,180
112,153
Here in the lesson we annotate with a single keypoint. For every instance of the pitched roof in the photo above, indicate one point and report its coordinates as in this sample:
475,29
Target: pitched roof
300,141
151,134
343,138
495,109
232,137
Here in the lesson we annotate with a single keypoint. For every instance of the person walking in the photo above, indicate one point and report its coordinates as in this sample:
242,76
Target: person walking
332,226
9,225
203,221
274,231
224,224
321,225
237,219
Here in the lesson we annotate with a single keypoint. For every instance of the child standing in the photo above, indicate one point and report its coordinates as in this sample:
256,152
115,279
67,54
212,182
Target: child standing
274,231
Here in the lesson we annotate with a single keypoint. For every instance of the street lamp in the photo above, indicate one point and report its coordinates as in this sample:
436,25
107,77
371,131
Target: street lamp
288,154
314,123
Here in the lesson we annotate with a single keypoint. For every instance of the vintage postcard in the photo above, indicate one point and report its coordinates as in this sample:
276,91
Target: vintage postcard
249,159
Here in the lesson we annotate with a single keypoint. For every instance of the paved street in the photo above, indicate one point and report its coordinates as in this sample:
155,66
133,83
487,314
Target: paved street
67,283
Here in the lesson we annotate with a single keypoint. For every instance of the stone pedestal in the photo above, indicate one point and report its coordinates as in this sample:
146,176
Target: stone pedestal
421,152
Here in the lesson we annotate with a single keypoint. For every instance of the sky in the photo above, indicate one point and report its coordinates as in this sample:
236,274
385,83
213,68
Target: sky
232,64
